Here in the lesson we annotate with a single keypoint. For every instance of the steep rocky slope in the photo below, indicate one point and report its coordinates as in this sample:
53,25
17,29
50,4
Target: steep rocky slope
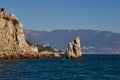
12,38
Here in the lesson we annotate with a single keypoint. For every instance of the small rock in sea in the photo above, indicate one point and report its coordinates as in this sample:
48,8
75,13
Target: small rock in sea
74,50
57,55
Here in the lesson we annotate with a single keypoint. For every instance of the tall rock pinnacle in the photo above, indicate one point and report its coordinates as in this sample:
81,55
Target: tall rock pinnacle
74,49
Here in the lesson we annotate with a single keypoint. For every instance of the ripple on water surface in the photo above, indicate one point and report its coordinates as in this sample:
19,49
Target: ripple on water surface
90,67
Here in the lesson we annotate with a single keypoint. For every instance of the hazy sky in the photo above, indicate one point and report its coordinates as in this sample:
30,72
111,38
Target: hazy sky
66,14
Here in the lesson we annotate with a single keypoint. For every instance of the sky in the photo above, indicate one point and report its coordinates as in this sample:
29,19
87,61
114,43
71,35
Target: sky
49,15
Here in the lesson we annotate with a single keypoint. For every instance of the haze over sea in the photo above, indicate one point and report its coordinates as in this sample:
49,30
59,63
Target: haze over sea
89,67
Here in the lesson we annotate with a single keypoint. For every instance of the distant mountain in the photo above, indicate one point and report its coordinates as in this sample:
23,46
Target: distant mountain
92,41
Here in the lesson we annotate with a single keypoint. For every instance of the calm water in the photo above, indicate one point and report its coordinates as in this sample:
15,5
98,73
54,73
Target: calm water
90,67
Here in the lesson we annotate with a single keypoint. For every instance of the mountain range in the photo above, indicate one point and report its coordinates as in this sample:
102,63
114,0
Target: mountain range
92,41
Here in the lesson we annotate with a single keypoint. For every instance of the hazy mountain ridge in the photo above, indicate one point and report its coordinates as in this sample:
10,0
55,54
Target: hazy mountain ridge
91,40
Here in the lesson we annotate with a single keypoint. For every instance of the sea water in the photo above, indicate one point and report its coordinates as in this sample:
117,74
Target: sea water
89,67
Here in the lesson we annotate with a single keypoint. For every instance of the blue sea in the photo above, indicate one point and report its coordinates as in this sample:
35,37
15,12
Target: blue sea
89,67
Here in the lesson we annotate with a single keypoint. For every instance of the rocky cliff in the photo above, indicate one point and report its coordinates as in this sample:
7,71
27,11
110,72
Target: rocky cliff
12,38
74,49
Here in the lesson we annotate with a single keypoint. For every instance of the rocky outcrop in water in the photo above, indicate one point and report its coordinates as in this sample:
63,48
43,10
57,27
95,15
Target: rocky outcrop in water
12,38
56,55
74,49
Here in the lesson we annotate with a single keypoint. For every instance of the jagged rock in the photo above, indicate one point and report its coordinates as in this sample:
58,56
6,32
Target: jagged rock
74,49
12,38
56,55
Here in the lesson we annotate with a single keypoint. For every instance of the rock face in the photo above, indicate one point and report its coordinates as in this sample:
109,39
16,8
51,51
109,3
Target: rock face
56,55
12,38
74,49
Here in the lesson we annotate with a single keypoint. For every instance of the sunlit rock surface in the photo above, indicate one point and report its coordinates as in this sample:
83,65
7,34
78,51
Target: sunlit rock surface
12,38
74,49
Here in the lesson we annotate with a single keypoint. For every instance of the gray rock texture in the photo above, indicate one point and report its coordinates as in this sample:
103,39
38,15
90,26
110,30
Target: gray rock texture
12,38
74,49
